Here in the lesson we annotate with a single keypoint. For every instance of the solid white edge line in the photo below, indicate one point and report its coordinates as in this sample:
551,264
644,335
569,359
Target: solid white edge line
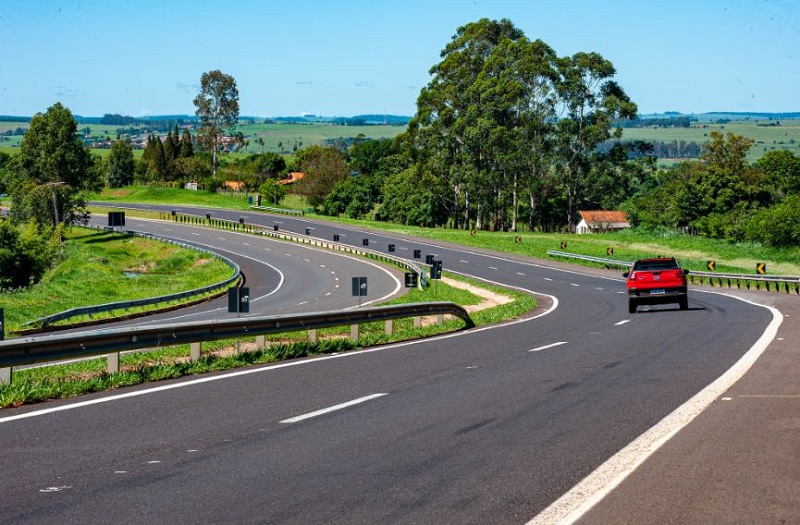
593,488
333,408
259,370
545,347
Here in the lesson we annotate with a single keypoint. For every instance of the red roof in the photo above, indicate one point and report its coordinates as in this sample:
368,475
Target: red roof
601,217
293,177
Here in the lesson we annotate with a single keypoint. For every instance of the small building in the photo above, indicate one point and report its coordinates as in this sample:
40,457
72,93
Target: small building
602,221
233,185
293,177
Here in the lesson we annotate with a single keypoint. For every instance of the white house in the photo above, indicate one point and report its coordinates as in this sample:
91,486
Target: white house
602,221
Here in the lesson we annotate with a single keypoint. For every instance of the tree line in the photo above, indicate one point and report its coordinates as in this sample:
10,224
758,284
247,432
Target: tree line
507,135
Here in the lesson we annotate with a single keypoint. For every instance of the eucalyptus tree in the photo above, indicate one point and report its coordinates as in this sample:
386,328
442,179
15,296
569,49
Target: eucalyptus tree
450,125
520,81
218,109
590,103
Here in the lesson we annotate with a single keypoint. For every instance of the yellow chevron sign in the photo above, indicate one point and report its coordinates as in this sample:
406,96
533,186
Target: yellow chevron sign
711,265
761,268
610,251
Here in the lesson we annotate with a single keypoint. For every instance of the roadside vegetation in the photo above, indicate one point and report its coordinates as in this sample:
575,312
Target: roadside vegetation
98,267
693,251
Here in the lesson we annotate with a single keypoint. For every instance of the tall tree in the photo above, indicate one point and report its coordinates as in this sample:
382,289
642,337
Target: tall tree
323,168
450,124
591,103
52,152
121,164
187,150
217,107
53,168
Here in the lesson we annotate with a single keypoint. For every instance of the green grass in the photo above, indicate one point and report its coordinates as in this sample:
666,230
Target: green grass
172,196
767,138
103,267
628,245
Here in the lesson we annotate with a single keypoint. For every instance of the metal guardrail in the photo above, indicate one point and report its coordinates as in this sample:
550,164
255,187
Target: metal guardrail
788,283
46,348
123,305
303,239
284,211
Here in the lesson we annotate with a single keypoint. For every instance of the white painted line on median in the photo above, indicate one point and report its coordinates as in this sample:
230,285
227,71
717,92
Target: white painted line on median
548,346
622,322
334,408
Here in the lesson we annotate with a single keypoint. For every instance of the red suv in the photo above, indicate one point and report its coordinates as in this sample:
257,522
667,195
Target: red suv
656,281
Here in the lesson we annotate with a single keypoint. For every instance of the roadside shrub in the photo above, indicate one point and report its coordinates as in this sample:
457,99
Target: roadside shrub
24,256
778,226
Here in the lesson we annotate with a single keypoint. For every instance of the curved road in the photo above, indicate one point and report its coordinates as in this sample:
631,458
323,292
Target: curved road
485,426
317,280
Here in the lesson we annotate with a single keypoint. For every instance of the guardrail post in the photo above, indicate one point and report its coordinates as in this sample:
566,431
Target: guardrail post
194,351
113,363
312,335
5,376
354,332
389,326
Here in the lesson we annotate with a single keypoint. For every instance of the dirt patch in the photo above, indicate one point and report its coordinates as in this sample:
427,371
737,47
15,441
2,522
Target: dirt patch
489,299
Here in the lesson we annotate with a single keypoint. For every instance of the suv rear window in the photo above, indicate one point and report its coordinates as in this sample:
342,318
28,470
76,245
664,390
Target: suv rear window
656,265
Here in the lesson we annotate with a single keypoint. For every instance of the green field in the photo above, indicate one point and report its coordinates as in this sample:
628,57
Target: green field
783,137
767,138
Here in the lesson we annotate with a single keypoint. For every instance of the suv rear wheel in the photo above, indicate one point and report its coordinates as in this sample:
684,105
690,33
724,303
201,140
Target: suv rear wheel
631,306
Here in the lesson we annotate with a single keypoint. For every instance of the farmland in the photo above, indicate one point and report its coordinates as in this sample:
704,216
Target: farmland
767,134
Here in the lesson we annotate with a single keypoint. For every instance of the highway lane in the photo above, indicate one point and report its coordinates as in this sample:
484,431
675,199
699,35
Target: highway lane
486,426
283,277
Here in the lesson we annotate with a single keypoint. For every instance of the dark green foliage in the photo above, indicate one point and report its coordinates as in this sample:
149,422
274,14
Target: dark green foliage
187,150
51,170
777,226
51,151
411,197
323,168
272,192
121,165
24,256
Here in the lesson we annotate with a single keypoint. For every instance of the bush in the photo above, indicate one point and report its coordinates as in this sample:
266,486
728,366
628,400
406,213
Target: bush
778,226
24,256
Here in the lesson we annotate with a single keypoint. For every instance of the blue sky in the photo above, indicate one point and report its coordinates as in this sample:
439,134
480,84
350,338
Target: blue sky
342,58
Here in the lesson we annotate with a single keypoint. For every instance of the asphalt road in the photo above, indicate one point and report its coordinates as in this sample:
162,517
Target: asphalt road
486,426
319,280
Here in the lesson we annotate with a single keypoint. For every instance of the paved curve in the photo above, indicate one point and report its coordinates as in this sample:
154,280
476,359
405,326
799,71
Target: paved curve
318,282
486,426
